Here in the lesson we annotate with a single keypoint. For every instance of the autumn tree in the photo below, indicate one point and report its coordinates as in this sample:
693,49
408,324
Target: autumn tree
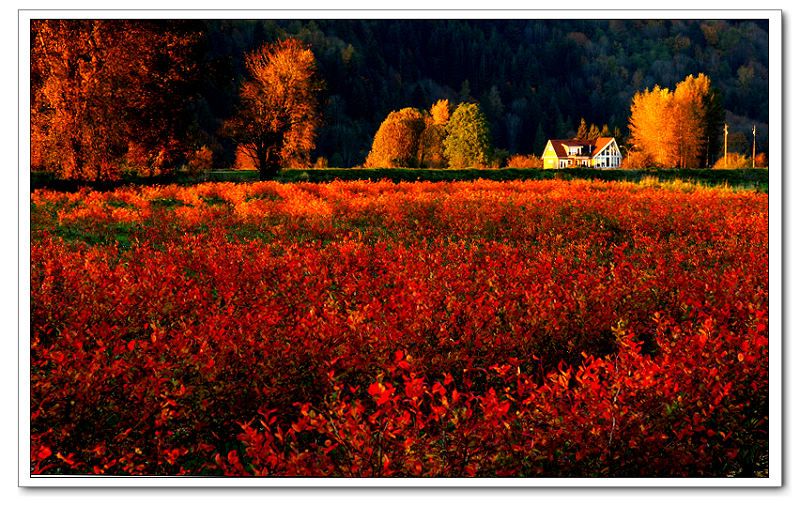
104,92
432,138
637,160
695,115
397,141
652,126
583,131
594,132
714,117
677,129
468,142
278,112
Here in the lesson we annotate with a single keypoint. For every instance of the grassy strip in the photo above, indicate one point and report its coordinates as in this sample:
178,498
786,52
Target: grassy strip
757,179
703,176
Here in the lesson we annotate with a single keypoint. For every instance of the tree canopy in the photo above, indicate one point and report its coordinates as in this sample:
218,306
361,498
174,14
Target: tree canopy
468,142
397,140
278,112
432,139
108,94
677,129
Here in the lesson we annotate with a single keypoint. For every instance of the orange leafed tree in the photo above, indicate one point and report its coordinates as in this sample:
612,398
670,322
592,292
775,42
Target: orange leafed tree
397,141
431,144
440,112
278,113
690,111
652,126
676,129
105,91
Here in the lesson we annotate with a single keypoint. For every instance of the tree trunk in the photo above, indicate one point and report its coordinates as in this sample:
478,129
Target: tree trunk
261,162
268,165
272,168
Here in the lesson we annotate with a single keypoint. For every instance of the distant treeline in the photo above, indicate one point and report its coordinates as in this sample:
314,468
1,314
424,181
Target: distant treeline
533,80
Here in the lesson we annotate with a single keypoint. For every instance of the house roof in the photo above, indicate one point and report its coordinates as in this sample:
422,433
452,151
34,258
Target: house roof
600,144
559,144
595,146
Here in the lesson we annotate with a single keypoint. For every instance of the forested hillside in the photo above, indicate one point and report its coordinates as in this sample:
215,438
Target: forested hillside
534,79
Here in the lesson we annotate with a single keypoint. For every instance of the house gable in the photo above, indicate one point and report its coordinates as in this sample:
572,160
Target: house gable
606,153
600,144
550,156
549,151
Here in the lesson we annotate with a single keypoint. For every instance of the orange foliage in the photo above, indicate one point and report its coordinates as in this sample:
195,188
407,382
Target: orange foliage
200,161
411,138
278,113
689,106
637,160
671,127
397,140
431,144
440,112
652,125
524,162
243,160
100,90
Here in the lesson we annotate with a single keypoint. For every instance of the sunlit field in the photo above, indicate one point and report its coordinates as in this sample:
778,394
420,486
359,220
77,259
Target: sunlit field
525,328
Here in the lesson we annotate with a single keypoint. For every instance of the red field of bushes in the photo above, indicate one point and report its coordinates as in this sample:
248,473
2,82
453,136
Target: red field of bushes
536,329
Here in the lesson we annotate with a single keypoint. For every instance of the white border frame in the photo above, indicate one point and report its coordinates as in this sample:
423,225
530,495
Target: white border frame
775,251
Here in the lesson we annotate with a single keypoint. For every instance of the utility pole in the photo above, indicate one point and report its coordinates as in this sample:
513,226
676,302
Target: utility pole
754,146
726,145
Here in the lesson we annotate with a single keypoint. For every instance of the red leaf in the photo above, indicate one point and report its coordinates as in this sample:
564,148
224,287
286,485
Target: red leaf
43,453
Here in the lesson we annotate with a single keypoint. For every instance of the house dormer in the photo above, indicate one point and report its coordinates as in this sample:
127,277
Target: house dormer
573,150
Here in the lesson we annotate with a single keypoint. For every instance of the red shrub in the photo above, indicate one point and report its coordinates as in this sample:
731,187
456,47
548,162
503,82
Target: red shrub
543,328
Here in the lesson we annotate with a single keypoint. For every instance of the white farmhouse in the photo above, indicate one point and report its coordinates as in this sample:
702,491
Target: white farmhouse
601,153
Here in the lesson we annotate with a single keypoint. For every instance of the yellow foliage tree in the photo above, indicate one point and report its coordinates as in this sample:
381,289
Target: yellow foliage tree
675,129
440,112
652,126
690,112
